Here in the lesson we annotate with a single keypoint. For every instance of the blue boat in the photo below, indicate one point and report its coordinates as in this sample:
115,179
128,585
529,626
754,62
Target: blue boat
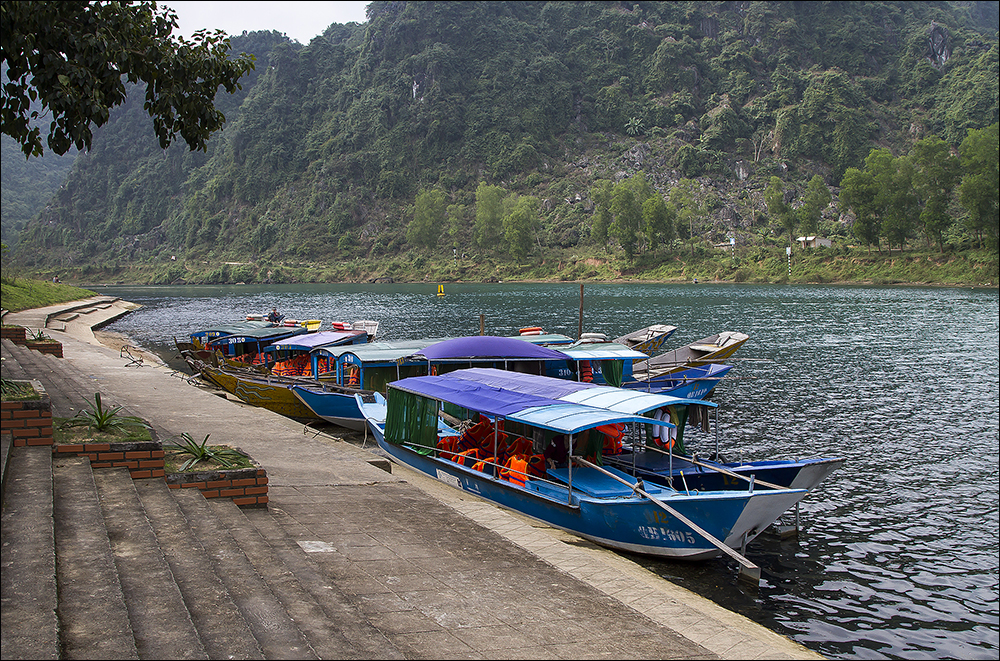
424,421
361,369
693,382
371,367
648,459
367,369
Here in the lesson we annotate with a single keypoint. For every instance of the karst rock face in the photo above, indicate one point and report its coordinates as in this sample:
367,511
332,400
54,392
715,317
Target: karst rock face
938,45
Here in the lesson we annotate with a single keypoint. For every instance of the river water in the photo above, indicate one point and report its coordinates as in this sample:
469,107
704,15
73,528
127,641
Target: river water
897,556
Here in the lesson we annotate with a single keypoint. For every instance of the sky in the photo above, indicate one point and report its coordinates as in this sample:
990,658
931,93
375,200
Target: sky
301,21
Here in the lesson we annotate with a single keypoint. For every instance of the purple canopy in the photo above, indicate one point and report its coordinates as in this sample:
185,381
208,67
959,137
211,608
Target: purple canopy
487,347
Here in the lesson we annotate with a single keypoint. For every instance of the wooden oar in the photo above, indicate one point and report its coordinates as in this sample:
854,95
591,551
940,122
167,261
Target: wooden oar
748,571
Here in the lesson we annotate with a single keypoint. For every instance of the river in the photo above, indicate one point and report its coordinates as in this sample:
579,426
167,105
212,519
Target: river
897,556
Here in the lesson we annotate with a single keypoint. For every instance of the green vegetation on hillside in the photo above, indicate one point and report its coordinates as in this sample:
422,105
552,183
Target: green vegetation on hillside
501,140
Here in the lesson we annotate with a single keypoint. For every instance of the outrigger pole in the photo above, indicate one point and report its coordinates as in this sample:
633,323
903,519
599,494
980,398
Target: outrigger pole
748,571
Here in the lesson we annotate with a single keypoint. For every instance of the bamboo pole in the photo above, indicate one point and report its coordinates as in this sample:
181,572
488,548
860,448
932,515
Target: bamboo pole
724,471
748,572
579,333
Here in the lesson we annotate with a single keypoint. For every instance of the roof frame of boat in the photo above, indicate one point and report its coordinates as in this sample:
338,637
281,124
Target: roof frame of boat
622,400
534,410
310,341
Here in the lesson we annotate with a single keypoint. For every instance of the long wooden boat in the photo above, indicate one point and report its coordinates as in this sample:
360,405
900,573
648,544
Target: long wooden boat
674,466
712,349
648,340
273,393
415,426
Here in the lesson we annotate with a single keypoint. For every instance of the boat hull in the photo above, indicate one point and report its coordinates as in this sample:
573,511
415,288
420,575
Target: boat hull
339,408
625,523
274,396
691,383
709,350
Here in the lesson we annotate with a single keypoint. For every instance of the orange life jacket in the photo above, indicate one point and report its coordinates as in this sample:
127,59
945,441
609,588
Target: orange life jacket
448,446
468,457
515,470
613,438
483,464
586,372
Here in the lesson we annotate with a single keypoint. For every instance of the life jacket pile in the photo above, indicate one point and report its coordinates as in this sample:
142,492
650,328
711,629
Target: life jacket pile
298,366
474,448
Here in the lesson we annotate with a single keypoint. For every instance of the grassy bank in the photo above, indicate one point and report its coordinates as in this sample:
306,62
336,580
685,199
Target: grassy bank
18,294
748,264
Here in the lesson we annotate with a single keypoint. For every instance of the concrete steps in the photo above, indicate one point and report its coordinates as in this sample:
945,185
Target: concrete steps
98,565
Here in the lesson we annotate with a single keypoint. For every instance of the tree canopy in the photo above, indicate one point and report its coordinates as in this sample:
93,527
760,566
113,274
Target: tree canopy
74,58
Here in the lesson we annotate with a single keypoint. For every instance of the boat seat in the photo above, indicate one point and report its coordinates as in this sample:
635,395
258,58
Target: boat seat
595,483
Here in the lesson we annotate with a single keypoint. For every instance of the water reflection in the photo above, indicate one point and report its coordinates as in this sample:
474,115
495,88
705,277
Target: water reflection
898,556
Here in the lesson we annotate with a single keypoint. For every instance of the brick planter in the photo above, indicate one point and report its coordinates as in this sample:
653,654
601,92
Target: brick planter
247,487
50,347
16,334
29,421
143,459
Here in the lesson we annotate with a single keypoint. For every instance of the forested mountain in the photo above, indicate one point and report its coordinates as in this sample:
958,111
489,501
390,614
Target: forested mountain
499,130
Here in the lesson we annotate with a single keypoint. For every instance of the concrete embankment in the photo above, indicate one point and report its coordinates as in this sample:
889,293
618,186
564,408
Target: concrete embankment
347,560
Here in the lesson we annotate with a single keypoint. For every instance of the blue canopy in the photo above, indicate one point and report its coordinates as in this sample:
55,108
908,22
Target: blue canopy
620,400
309,341
481,347
530,409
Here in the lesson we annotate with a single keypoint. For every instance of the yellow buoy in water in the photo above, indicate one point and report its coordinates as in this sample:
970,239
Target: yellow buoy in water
440,290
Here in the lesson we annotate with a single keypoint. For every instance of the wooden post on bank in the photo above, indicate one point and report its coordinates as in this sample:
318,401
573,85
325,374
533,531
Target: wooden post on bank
579,333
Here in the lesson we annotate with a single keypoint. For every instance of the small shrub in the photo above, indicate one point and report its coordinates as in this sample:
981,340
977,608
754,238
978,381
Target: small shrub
17,391
103,419
203,452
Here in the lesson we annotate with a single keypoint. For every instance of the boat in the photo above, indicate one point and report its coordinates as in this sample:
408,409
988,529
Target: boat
267,391
696,382
671,466
310,325
294,356
369,368
246,344
514,460
712,349
648,340
363,369
239,341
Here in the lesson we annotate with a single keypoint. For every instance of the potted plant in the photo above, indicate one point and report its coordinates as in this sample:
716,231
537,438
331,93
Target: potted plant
218,471
39,341
110,439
